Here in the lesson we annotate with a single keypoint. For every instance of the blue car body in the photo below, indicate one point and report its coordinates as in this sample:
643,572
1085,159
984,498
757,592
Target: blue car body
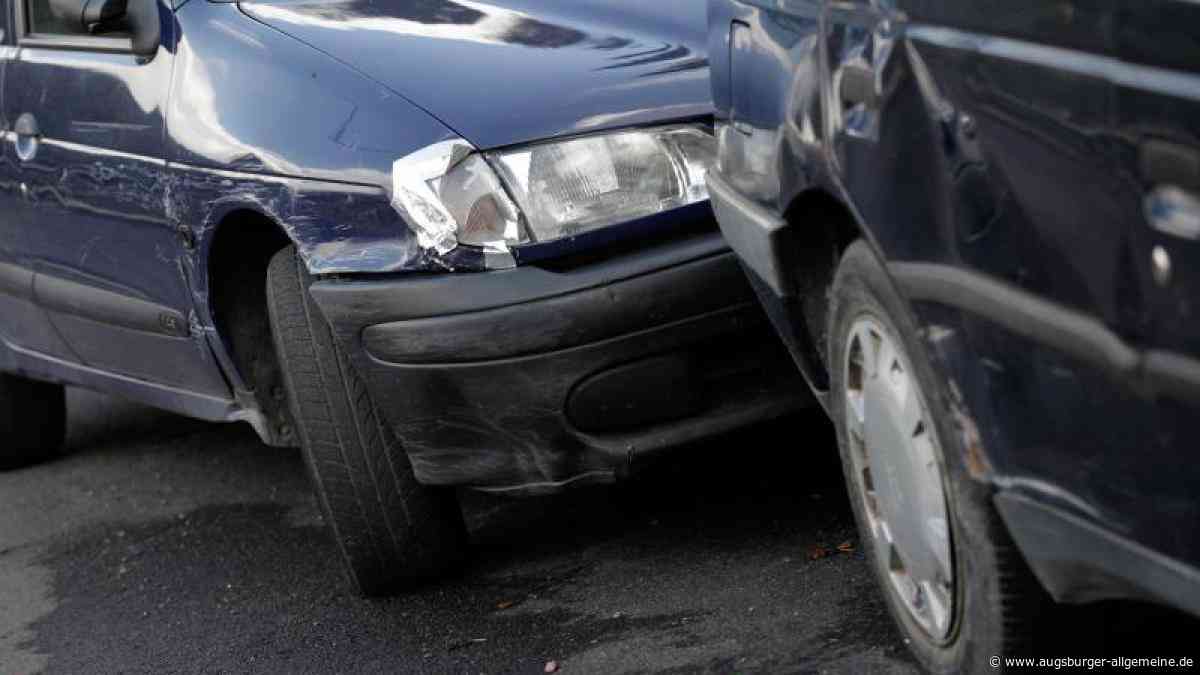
1024,171
140,197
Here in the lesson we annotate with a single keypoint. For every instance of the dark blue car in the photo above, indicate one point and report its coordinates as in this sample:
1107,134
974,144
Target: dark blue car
434,243
976,223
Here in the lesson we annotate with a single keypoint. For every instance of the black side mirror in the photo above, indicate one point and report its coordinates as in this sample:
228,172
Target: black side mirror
140,17
145,24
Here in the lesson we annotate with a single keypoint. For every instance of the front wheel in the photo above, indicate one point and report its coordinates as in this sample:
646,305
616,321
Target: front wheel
392,532
955,584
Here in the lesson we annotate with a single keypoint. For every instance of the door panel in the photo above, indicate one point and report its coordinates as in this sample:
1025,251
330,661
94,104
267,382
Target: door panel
108,265
22,323
1044,130
1158,112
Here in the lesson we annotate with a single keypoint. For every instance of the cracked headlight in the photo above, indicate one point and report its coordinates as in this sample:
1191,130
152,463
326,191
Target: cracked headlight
452,195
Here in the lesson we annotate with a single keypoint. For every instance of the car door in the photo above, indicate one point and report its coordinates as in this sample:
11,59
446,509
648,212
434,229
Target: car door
87,148
1158,111
22,323
1060,133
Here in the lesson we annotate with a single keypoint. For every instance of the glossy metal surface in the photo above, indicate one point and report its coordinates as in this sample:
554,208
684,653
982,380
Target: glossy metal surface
137,163
89,209
346,119
1052,148
261,122
501,72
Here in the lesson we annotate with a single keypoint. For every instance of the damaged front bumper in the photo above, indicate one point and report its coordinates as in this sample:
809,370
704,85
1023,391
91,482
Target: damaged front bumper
530,379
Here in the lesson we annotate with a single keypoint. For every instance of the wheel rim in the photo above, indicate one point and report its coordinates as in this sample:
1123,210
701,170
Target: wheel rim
894,451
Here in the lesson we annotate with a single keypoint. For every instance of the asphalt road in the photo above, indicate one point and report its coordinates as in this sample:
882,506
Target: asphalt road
159,544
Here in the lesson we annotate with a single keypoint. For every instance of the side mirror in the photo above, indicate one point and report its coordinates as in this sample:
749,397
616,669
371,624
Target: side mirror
145,25
138,17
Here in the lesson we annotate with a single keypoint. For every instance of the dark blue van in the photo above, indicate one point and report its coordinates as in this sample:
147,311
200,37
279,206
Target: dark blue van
976,223
435,243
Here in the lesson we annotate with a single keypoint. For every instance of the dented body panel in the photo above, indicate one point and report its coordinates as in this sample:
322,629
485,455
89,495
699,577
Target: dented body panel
122,179
88,215
561,377
1015,166
312,149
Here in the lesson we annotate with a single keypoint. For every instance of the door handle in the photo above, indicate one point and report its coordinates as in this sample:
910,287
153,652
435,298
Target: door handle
28,137
1173,210
1172,205
857,84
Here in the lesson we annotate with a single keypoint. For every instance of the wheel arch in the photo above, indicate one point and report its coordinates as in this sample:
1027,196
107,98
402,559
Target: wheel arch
822,227
235,259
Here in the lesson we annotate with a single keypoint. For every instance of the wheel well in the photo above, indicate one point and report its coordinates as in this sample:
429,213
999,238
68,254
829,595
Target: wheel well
241,249
823,228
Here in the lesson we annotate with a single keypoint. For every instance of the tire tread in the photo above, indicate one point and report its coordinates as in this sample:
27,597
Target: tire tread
391,531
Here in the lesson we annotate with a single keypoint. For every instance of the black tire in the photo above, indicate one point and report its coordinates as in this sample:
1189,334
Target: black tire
996,600
33,421
392,532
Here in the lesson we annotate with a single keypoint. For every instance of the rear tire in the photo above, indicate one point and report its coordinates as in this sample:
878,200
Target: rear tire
996,599
391,531
33,421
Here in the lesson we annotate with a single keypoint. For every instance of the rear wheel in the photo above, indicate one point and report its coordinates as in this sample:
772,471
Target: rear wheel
391,531
33,421
955,584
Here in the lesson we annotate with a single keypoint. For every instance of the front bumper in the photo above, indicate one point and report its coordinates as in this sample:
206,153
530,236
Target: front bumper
529,379
756,234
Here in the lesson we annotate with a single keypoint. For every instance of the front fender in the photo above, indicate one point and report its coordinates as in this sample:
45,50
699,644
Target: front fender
260,121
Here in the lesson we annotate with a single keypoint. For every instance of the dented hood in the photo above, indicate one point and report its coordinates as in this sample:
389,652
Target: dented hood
510,71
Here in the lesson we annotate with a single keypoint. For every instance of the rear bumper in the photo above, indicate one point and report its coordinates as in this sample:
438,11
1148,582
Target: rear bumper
530,379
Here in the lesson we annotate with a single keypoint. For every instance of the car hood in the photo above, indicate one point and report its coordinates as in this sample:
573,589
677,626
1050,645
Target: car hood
510,71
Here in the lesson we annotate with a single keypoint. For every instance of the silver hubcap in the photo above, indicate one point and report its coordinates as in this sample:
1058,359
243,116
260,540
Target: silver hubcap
894,451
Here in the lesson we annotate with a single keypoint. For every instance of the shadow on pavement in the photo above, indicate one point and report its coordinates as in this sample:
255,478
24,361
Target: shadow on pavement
721,557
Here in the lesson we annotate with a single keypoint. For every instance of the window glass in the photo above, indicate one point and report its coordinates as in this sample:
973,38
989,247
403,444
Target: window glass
3,21
42,21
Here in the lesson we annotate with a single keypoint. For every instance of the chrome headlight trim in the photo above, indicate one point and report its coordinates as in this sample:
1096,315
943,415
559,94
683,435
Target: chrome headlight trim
453,195
413,197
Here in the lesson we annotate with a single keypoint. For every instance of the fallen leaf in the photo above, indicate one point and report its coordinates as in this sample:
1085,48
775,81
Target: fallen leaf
505,605
551,667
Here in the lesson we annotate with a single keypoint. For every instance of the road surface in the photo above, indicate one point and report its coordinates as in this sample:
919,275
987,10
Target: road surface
160,544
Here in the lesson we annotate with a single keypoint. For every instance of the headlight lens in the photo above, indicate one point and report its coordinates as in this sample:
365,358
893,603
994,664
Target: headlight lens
451,195
482,210
582,184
